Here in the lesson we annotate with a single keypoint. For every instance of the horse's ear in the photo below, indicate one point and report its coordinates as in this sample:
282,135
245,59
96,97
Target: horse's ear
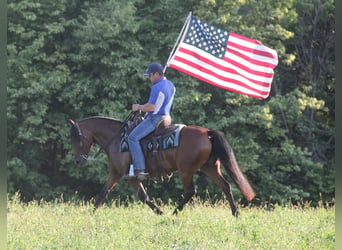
72,123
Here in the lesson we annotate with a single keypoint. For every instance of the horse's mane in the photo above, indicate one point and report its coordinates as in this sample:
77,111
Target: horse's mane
75,130
101,118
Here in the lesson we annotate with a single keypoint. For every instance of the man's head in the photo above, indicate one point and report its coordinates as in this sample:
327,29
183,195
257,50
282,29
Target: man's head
154,71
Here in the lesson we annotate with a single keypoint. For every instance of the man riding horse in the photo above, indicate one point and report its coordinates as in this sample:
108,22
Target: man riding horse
158,109
197,148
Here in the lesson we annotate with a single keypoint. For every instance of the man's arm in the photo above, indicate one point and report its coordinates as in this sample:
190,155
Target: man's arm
147,107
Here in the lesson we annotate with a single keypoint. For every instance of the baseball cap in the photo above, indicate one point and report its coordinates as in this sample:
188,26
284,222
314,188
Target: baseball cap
153,68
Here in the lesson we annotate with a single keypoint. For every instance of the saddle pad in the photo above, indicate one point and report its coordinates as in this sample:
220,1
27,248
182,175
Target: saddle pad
158,140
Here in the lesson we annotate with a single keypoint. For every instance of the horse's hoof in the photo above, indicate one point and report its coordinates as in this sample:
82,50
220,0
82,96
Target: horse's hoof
159,212
236,214
176,211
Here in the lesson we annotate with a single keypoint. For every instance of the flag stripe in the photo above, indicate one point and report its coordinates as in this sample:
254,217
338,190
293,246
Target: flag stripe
227,65
207,78
235,78
228,76
253,46
250,59
231,78
247,64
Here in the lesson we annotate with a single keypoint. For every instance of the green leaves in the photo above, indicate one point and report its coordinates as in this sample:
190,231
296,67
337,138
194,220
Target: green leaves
74,59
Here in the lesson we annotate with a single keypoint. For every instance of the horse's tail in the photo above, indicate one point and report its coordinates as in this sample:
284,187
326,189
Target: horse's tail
223,151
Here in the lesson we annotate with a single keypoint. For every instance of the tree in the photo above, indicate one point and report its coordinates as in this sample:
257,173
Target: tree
74,59
36,72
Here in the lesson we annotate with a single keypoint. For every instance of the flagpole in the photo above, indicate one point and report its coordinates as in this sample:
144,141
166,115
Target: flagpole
181,34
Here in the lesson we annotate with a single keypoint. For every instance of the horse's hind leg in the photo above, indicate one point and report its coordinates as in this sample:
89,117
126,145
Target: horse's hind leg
189,190
143,196
215,174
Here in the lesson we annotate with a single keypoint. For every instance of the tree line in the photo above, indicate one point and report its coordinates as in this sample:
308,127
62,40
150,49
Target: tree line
75,59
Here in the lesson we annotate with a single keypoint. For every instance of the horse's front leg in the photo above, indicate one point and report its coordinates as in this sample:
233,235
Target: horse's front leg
112,180
143,196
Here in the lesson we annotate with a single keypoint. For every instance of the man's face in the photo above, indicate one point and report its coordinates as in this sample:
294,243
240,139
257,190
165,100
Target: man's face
153,77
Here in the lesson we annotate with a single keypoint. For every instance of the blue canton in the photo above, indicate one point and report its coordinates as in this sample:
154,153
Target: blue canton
207,37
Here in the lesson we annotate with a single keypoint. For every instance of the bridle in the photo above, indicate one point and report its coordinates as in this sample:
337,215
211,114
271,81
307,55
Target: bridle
81,138
86,156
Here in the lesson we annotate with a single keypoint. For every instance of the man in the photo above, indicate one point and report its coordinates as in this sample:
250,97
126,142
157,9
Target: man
157,107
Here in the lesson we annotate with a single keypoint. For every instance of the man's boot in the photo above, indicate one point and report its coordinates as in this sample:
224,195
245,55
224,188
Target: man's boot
140,174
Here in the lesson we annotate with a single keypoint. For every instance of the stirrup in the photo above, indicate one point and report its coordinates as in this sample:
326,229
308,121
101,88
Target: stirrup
140,174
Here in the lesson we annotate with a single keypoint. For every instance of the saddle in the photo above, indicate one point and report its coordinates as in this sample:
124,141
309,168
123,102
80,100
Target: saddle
165,136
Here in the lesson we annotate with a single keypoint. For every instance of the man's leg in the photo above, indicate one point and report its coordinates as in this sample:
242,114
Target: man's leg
142,130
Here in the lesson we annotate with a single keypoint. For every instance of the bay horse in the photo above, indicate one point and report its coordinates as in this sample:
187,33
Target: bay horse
199,149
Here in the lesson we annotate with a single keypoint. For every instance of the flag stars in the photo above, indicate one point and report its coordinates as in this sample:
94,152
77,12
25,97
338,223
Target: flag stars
207,37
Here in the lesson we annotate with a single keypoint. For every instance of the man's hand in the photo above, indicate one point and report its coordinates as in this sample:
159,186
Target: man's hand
147,107
135,107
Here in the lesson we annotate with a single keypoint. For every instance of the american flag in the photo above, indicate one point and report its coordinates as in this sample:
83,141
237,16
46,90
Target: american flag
225,59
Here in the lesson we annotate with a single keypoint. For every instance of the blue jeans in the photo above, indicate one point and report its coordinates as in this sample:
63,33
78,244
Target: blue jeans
144,128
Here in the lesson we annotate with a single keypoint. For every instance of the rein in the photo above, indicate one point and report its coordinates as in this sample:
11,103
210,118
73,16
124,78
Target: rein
130,116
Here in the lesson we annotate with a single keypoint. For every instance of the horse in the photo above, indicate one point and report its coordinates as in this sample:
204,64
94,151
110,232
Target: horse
199,149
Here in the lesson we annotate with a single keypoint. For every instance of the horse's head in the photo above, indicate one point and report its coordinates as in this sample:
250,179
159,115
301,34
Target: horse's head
81,143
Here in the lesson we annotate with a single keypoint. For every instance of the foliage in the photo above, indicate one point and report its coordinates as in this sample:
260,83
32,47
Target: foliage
74,59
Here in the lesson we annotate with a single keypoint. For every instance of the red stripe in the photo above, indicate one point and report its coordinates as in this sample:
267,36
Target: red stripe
248,69
265,53
217,85
249,59
235,63
225,79
247,49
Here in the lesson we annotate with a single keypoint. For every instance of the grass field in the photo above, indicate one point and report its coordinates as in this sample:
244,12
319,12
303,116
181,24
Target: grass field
56,225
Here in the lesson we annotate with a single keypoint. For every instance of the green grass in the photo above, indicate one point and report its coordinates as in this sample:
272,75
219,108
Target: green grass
56,225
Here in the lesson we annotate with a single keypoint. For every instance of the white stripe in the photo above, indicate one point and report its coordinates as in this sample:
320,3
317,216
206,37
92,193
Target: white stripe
261,69
253,45
221,82
257,57
238,76
225,64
